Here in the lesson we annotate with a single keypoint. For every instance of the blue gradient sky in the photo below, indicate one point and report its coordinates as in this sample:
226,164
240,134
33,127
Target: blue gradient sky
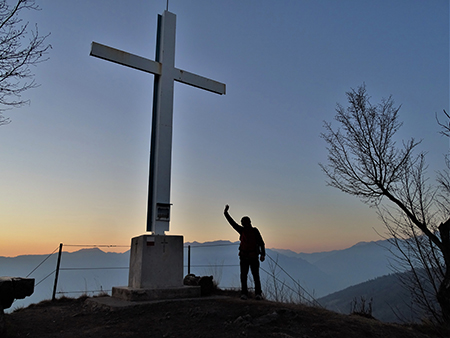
74,163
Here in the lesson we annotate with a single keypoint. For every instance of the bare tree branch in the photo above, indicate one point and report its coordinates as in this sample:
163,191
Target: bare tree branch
445,127
16,57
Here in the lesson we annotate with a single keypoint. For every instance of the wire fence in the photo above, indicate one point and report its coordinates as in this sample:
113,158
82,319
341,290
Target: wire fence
279,290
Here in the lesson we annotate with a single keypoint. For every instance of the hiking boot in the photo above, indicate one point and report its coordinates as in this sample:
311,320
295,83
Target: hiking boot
244,297
258,297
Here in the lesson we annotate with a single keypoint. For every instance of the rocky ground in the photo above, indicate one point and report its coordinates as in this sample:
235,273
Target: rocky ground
219,316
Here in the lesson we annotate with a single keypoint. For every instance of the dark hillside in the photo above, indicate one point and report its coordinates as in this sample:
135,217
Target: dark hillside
206,317
390,301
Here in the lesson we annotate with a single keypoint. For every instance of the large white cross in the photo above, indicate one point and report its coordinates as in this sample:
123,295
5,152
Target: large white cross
158,210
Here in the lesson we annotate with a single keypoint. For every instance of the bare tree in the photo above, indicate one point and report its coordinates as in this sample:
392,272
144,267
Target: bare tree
445,127
365,160
20,48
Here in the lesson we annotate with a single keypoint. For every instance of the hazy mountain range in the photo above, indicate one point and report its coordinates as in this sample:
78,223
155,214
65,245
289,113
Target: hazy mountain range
319,274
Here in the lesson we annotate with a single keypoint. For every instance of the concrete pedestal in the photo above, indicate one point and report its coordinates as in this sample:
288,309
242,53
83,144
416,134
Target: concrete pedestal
156,261
156,270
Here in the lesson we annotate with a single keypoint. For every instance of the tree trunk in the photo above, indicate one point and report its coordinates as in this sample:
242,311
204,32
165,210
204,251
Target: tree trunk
443,295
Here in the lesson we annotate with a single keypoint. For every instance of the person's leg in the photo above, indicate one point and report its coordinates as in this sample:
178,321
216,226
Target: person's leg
254,265
245,264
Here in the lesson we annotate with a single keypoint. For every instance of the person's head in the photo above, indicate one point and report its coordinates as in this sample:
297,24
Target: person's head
246,222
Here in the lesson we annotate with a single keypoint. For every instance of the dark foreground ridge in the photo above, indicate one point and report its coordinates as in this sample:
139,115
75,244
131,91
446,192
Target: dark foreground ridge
203,317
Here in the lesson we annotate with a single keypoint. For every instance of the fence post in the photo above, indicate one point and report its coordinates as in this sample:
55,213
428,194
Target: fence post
189,259
57,272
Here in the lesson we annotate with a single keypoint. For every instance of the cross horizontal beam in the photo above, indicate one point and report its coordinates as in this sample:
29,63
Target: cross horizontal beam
125,59
154,67
199,81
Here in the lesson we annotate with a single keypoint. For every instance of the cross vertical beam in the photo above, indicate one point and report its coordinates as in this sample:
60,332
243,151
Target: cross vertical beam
158,209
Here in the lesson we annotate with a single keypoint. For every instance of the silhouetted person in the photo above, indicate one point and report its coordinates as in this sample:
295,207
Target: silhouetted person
252,245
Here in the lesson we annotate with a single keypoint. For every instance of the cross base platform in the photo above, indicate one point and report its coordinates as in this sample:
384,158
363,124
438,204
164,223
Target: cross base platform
141,294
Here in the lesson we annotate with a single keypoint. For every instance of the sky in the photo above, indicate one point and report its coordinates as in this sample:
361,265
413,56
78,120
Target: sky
74,162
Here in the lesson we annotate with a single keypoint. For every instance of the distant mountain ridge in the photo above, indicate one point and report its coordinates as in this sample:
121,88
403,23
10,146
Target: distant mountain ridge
309,257
215,243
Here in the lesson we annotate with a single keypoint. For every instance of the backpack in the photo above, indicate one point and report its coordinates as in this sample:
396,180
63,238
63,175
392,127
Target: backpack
249,243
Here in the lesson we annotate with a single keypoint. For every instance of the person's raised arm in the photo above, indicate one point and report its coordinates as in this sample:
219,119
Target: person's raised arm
230,220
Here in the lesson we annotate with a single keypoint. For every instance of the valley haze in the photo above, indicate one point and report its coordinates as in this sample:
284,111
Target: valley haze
92,271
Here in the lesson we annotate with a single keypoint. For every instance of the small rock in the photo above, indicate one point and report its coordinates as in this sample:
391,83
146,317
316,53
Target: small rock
266,319
243,320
